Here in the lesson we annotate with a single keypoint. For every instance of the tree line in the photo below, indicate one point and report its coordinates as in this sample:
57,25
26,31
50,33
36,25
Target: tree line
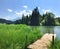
36,19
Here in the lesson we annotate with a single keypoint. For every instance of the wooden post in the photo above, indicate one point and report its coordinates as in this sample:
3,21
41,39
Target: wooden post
53,39
25,42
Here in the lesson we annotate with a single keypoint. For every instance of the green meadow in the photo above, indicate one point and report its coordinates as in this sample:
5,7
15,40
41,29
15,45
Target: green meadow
18,36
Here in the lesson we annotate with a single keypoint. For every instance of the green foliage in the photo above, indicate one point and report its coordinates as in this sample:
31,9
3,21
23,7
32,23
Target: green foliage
56,44
35,17
49,19
57,21
18,21
17,36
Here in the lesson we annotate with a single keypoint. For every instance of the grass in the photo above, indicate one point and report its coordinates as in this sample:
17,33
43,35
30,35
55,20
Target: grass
18,36
56,44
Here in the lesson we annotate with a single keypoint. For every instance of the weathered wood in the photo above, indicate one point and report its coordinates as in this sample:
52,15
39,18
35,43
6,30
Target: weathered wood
43,42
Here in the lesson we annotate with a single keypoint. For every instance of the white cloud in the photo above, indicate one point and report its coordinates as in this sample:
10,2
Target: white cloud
44,11
9,17
25,6
19,14
30,11
10,10
38,7
56,16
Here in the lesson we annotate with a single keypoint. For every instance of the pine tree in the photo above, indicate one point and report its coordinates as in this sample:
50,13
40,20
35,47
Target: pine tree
35,17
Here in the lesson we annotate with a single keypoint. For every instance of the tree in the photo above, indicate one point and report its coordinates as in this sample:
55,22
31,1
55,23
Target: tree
35,17
49,19
18,21
58,19
23,19
27,20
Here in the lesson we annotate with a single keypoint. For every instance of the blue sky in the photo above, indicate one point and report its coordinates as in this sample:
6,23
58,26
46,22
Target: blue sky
12,9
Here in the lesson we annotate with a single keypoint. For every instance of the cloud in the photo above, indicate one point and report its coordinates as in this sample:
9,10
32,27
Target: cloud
44,11
57,16
10,10
25,6
9,17
38,7
17,14
23,12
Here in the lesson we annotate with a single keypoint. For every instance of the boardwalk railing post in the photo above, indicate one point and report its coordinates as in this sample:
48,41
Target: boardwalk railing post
53,39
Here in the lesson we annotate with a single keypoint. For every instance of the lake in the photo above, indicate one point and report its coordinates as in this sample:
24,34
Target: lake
51,29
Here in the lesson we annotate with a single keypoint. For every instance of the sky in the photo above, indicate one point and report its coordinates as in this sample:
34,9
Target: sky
13,9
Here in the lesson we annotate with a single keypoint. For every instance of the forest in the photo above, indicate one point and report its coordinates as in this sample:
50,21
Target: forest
36,19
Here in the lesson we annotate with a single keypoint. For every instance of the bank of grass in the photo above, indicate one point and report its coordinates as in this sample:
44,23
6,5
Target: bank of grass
18,36
56,44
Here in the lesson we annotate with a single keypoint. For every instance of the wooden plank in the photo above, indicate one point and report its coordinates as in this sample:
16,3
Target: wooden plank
43,42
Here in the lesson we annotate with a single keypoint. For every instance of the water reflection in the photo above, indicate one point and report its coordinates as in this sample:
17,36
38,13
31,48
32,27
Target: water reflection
47,29
51,29
57,31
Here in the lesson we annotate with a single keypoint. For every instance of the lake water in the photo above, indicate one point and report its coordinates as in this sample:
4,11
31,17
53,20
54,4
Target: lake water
51,29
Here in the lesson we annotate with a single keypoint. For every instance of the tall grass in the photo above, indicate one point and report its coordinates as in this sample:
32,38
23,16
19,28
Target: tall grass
56,44
17,36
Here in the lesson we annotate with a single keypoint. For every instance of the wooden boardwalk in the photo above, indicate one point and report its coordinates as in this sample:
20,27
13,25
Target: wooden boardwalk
43,42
